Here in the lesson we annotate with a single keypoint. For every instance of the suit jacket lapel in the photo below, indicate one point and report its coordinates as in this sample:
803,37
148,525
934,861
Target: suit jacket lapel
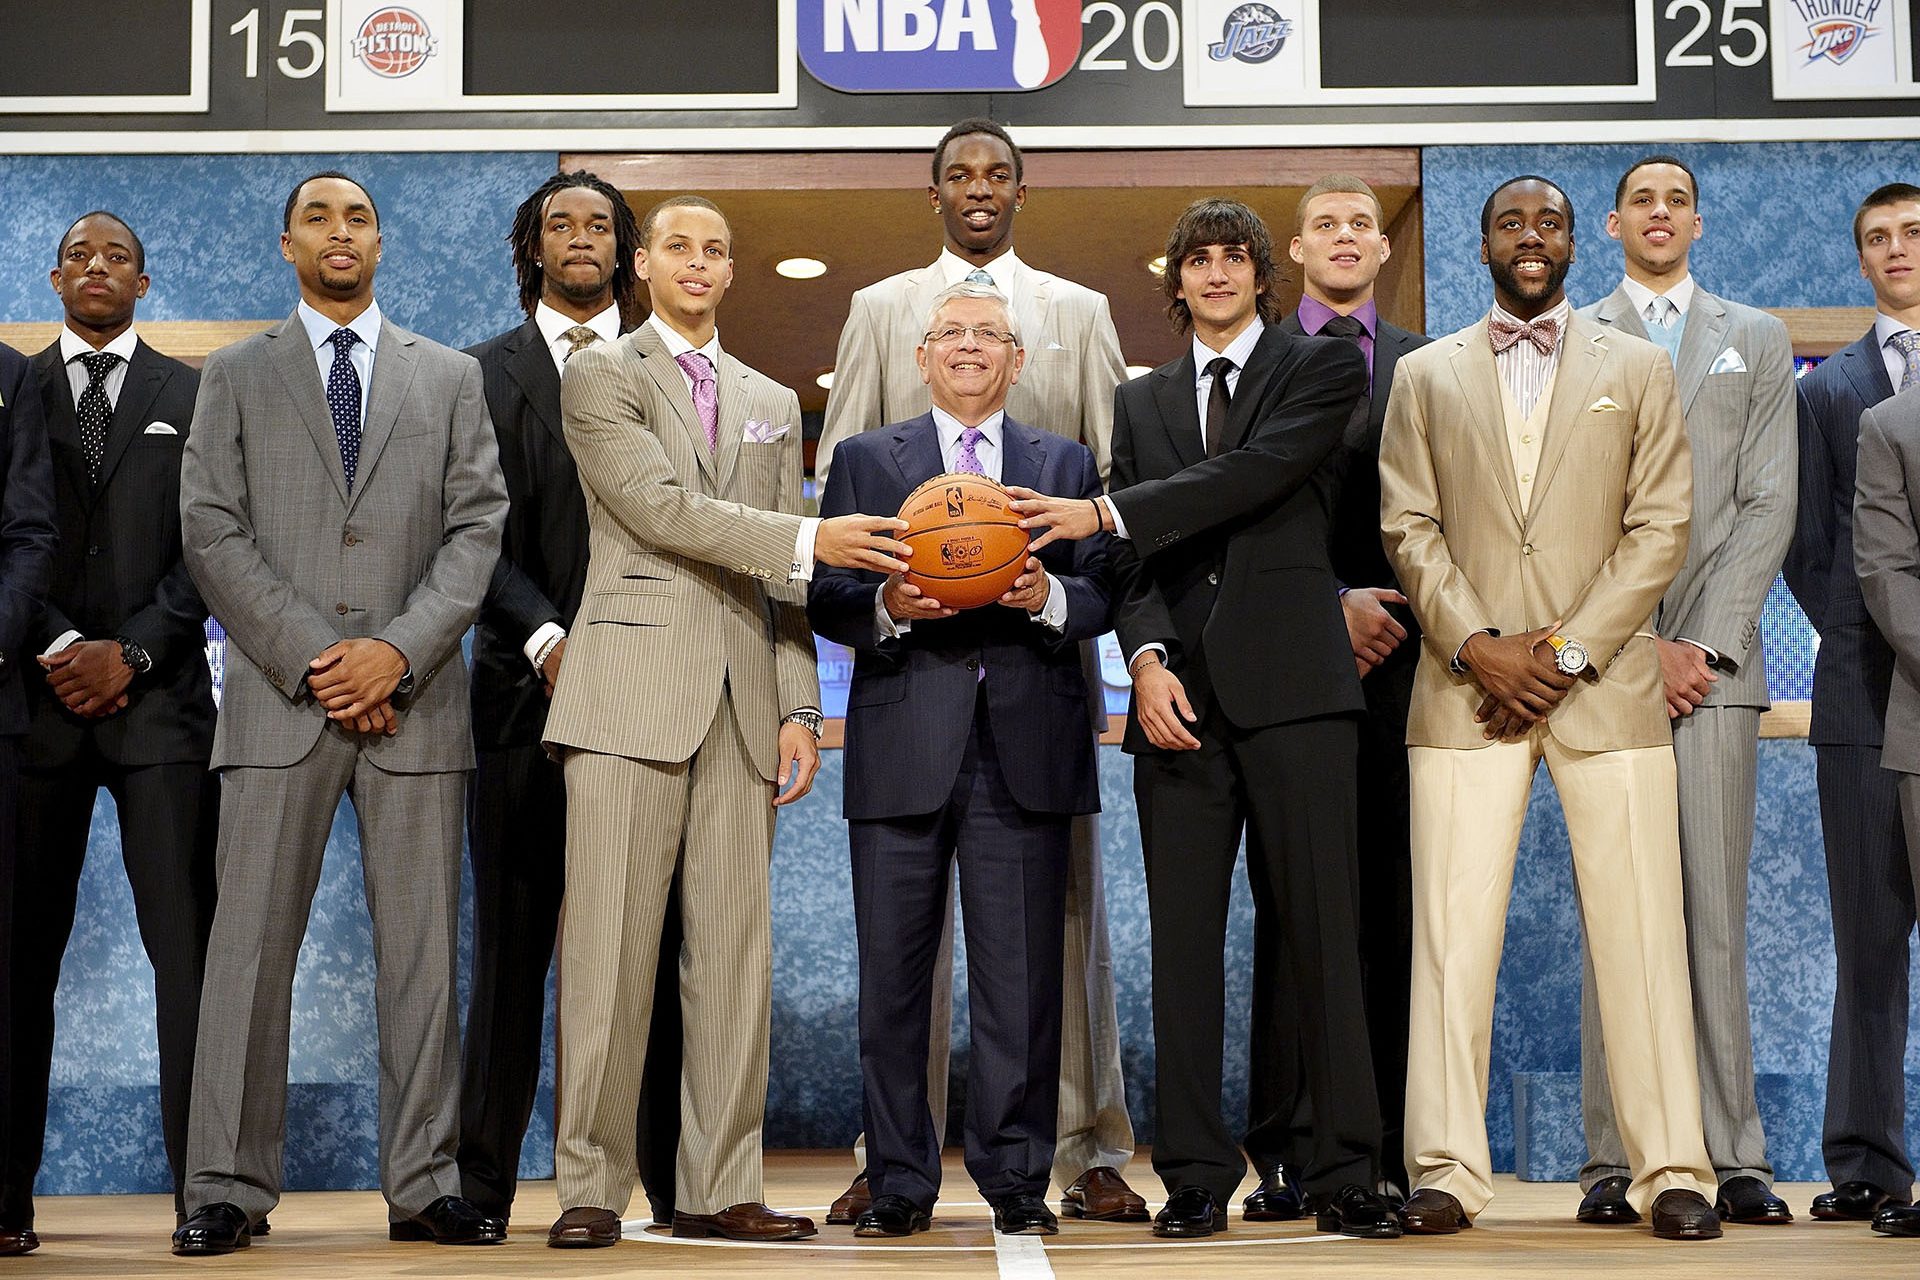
1701,343
1866,370
1024,454
1254,376
730,416
145,377
1480,390
63,422
916,452
666,375
1179,409
291,355
392,375
531,368
1583,350
1032,297
1616,309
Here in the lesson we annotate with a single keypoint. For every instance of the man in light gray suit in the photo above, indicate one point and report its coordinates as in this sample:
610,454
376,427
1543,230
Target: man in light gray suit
1734,369
341,506
1066,387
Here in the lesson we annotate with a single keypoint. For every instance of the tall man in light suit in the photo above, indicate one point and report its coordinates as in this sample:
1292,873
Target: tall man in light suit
1534,494
1734,368
686,713
1066,386
341,507
1870,859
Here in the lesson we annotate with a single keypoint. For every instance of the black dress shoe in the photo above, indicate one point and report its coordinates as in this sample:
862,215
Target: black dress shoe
218,1228
261,1229
1747,1201
1684,1215
1024,1216
1431,1212
1189,1214
15,1241
1894,1220
1606,1205
893,1216
1277,1199
450,1220
1854,1202
1353,1210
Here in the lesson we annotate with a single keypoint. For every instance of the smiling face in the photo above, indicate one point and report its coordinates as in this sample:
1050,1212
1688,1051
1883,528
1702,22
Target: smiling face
98,278
1528,247
687,264
969,373
577,249
1890,256
977,196
333,241
1340,248
1656,222
1221,289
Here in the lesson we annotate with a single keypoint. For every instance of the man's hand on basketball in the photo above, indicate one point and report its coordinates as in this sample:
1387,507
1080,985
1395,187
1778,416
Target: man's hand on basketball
905,602
1029,590
1059,518
862,542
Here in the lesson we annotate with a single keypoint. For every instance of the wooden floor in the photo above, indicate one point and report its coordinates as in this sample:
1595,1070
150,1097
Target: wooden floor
1528,1231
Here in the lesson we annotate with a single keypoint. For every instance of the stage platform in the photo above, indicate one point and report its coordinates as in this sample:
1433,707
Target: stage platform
1528,1232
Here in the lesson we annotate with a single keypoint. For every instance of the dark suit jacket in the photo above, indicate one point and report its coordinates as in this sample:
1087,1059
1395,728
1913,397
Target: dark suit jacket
543,555
118,569
26,533
1854,668
911,703
1227,564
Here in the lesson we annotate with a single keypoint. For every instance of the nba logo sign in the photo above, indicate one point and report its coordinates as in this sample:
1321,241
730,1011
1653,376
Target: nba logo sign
938,46
394,43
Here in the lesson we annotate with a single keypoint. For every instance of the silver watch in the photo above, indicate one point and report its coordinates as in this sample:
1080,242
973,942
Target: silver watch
1570,656
812,720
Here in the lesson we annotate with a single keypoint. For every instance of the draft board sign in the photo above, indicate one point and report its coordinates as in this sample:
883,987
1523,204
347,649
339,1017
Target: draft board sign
938,46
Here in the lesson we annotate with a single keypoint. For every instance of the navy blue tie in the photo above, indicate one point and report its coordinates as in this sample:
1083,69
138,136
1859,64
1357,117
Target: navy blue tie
343,401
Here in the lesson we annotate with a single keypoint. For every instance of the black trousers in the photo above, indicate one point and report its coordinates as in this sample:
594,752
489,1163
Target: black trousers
1013,898
169,816
1290,789
1279,1111
516,836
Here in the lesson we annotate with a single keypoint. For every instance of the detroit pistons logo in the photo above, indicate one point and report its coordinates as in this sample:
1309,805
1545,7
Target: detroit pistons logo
1836,28
394,43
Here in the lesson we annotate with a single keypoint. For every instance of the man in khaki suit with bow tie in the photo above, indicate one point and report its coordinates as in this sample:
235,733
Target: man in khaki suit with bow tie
1535,486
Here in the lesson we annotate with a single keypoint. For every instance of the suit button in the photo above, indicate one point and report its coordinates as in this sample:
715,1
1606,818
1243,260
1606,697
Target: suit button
341,607
973,664
94,551
350,540
1526,549
1213,579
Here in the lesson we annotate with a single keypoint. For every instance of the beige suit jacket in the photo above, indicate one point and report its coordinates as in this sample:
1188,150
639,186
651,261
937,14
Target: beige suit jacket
687,596
1066,384
1604,535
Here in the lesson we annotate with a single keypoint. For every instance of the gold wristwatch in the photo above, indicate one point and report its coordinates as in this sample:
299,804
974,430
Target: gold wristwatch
1570,656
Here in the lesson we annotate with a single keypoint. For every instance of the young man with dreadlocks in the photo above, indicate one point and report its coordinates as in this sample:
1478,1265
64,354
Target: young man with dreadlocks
573,250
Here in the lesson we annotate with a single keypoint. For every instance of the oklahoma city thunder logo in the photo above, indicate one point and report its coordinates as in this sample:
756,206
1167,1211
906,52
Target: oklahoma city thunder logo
1836,28
1251,33
938,46
394,42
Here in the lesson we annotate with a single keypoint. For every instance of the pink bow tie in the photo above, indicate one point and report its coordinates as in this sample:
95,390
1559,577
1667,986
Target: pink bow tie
1543,334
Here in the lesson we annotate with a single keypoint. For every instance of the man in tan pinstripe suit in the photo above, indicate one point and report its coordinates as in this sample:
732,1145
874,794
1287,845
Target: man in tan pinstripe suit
686,712
1066,386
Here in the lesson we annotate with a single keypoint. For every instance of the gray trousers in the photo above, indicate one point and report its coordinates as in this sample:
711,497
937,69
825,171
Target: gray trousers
273,833
1715,752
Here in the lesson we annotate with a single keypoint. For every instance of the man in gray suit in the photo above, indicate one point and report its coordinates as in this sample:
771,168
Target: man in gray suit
1066,387
1734,368
341,506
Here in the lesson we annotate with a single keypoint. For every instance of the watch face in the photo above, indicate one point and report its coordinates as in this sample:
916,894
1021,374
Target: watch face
1573,657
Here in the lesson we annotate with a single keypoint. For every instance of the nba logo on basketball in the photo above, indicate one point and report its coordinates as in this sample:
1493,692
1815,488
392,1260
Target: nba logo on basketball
394,43
938,46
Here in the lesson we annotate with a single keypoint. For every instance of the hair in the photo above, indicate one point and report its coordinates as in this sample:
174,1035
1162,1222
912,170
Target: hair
139,250
1620,190
1219,221
529,224
1881,197
680,202
1486,210
973,289
286,218
968,127
1344,183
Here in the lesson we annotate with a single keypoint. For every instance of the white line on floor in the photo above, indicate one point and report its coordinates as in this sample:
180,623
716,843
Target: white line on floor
1021,1258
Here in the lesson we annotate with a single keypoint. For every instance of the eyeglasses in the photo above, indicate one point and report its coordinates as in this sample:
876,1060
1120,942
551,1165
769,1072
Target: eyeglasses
955,332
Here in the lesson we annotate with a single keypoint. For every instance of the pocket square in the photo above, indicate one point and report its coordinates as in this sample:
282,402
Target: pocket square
159,429
1604,404
1728,361
1053,346
763,432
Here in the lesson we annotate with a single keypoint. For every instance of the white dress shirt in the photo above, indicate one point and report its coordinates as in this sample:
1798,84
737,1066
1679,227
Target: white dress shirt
359,355
553,330
953,269
1522,368
1681,295
1884,328
73,346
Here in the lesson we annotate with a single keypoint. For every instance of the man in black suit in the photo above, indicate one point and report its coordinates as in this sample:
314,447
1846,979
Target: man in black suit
1870,867
966,739
1244,701
573,244
27,536
121,696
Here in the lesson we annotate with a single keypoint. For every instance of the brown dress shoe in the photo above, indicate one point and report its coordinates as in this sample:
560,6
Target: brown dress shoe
585,1228
15,1241
750,1221
853,1202
1102,1195
1433,1213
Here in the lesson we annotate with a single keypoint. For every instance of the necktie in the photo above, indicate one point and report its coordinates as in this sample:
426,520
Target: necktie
95,411
1543,334
979,276
1664,326
706,394
1219,400
581,337
968,457
1907,343
1349,327
343,401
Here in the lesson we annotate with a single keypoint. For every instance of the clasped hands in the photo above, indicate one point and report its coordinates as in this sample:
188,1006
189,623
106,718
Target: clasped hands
90,677
354,680
1518,675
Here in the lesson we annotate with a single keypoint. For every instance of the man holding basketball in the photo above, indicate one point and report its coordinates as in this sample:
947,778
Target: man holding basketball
967,741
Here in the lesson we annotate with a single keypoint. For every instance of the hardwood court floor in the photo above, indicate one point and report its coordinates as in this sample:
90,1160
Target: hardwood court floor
1528,1232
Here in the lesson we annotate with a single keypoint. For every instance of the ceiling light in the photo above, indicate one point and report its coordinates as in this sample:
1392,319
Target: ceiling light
800,268
1158,265
824,381
1136,370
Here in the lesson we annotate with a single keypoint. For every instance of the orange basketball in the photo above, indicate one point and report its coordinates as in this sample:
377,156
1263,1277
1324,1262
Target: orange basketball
968,545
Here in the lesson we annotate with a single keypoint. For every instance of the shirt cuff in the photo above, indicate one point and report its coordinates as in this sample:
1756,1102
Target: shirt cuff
801,570
1054,612
1155,647
1119,525
64,639
537,643
1713,655
885,624
1460,668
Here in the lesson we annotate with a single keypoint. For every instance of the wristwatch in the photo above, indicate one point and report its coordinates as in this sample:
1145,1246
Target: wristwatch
138,660
813,721
1569,655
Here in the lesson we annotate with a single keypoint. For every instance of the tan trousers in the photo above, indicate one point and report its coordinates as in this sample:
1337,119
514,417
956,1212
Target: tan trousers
1622,820
626,820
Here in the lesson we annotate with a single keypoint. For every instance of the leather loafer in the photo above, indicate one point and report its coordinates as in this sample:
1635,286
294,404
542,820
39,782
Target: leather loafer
1102,1195
1431,1212
15,1241
1190,1214
1684,1215
1024,1216
1606,1205
853,1202
450,1220
1277,1199
749,1221
1354,1210
1894,1220
585,1228
261,1229
1747,1201
218,1228
1854,1202
892,1216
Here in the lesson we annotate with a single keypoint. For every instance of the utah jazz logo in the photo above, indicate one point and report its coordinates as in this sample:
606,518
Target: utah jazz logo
956,506
938,46
1836,28
1252,33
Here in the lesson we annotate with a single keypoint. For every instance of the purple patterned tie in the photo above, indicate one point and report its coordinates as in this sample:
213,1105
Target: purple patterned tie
706,394
967,459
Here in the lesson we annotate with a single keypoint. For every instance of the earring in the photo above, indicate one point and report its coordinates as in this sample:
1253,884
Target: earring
1017,208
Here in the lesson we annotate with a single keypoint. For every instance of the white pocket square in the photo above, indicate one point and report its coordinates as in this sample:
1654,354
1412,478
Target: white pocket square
763,432
1053,346
1728,361
159,429
1604,404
